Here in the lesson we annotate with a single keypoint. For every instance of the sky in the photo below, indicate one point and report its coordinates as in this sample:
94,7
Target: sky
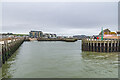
62,18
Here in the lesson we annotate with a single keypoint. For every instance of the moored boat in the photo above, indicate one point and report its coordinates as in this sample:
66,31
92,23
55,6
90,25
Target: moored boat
70,40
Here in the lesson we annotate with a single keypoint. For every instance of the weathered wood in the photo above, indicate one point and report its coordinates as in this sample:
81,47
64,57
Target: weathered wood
8,48
101,46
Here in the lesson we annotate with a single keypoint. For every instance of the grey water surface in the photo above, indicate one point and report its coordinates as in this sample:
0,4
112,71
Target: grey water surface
57,59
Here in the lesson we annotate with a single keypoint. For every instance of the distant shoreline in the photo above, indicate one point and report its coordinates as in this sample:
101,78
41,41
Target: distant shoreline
52,39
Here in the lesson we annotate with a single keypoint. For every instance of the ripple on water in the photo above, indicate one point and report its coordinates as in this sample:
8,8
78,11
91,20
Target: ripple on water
59,60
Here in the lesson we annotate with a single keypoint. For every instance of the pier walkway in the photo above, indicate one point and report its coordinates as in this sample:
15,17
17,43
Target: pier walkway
101,45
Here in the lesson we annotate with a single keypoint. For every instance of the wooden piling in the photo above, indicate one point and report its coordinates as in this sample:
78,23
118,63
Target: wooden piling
8,48
101,46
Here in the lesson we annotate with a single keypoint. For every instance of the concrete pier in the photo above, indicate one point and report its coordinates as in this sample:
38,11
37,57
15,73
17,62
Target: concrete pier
8,47
95,45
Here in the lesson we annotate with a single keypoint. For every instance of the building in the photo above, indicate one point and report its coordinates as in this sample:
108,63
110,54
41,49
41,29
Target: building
118,34
0,35
80,36
53,35
107,34
36,34
105,31
6,35
46,35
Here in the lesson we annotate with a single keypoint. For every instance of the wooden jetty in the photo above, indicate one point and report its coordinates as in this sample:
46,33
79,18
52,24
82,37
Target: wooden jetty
9,46
101,45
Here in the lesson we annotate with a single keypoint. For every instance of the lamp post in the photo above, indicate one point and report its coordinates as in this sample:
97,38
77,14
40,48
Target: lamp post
102,34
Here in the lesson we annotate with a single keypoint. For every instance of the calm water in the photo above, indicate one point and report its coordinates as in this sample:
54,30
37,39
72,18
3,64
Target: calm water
59,60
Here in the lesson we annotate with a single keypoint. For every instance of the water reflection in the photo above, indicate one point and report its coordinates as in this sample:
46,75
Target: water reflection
8,68
0,73
101,56
103,63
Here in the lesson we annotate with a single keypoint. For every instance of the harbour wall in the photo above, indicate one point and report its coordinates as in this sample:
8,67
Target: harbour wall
8,47
58,39
95,45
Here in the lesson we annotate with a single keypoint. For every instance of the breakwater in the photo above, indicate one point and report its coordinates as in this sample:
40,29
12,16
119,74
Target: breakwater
57,39
101,45
8,47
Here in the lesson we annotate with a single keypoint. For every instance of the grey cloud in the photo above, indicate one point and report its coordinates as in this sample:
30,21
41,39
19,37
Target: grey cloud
58,16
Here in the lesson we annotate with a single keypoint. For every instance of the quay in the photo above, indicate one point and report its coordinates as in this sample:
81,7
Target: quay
95,45
57,39
9,46
51,39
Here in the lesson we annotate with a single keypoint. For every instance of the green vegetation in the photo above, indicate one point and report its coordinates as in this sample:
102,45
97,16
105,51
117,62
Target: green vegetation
20,34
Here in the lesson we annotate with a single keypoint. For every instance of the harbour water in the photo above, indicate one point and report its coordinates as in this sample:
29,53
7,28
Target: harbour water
57,59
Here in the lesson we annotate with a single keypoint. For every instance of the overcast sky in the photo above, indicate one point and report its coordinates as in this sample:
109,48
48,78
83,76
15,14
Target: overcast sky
62,18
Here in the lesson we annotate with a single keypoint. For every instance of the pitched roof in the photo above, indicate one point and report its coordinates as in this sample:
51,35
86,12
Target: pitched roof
105,30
